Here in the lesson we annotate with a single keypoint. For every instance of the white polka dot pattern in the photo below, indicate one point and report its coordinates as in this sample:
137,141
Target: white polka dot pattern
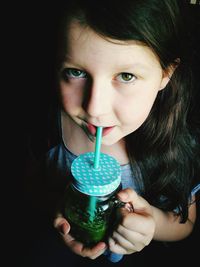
94,182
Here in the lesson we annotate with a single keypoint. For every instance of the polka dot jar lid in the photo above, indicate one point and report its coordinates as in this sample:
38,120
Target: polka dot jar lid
96,182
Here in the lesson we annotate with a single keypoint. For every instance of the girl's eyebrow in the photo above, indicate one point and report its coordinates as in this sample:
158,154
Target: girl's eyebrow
68,60
118,68
134,65
126,66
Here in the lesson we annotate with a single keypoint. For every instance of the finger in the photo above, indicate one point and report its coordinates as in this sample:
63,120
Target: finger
62,225
143,224
83,251
140,205
76,246
133,237
94,251
117,248
98,254
58,215
59,219
122,241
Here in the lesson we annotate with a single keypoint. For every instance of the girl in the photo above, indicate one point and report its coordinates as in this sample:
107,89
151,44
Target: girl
123,66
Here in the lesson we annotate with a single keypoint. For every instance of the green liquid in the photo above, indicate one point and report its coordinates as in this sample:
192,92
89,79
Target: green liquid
89,234
89,220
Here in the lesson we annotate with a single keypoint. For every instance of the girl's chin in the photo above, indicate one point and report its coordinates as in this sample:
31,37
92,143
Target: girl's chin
110,140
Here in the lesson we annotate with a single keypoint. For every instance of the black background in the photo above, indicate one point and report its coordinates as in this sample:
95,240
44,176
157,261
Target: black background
30,40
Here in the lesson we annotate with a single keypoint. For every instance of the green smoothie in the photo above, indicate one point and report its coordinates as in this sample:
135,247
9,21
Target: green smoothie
89,200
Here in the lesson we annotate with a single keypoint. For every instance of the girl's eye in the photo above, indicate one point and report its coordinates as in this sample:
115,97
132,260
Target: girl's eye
126,77
68,73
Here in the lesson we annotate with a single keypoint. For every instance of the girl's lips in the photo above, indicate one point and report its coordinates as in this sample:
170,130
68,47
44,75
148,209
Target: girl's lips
92,129
107,130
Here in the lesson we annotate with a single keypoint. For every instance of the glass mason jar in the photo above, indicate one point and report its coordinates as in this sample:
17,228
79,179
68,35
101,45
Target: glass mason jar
90,200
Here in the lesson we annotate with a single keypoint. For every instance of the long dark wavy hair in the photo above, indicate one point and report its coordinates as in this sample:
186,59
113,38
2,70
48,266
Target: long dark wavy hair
163,147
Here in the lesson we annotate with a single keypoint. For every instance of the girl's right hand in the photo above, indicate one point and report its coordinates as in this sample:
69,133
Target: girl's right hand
63,227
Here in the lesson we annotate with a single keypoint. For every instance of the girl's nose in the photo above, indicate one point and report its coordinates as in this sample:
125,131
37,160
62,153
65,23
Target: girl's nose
97,99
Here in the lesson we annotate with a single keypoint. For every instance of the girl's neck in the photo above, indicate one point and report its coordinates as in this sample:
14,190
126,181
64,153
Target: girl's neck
77,141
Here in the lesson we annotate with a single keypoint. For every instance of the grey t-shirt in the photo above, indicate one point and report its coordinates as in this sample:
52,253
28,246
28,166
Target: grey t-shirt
59,159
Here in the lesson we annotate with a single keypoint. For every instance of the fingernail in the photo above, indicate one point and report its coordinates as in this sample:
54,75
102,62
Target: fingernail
62,228
102,246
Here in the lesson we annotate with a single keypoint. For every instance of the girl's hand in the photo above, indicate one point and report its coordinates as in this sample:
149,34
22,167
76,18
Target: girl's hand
137,225
61,224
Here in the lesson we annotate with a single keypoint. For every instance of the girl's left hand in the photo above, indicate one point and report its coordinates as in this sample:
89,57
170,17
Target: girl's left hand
137,225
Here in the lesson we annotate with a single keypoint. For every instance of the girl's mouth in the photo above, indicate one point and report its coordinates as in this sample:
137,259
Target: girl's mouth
93,129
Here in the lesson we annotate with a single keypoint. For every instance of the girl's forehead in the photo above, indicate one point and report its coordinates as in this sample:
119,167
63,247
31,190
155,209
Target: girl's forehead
77,30
84,43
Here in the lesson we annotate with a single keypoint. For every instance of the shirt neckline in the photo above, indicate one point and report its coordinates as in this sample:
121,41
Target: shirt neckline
123,166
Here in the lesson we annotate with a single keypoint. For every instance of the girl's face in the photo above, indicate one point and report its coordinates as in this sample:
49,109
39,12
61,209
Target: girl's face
109,84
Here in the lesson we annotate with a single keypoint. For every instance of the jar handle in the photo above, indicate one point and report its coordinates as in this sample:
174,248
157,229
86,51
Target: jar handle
117,202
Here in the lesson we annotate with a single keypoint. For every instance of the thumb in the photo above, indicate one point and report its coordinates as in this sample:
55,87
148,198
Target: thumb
62,225
138,203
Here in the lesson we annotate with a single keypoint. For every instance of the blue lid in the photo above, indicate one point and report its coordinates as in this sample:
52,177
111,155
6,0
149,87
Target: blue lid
94,182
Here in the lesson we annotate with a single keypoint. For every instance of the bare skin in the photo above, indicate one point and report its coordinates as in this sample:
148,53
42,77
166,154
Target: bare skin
137,228
114,85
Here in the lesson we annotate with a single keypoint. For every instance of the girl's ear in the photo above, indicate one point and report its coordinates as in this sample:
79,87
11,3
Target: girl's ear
168,72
